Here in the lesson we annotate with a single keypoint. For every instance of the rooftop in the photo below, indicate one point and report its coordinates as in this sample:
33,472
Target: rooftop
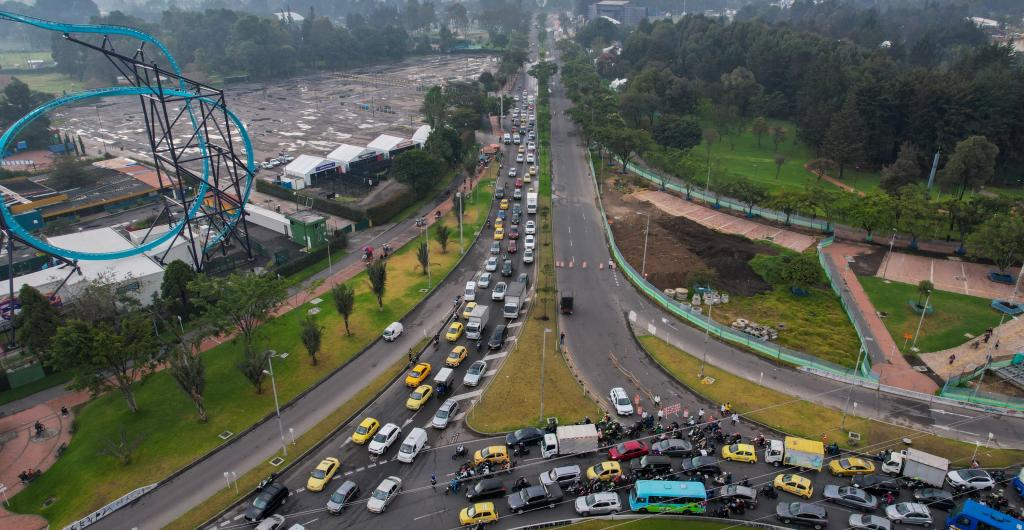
346,153
305,164
386,143
305,217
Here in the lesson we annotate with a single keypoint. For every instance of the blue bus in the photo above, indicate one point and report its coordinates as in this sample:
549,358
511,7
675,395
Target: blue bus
976,516
667,496
1018,483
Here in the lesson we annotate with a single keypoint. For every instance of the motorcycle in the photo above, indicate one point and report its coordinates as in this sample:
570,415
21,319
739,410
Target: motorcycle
832,449
769,492
266,482
460,451
520,483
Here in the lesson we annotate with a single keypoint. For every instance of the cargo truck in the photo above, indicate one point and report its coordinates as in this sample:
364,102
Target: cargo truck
570,440
797,452
531,202
477,322
514,300
917,465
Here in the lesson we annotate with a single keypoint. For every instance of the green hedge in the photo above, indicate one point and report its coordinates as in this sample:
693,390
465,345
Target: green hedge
376,215
309,258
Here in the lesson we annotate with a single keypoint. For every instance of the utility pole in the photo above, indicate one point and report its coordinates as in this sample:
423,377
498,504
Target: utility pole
849,395
543,353
647,232
707,334
924,310
888,256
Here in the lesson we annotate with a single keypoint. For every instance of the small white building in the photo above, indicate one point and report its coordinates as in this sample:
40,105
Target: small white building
421,135
347,155
268,219
140,274
390,146
311,168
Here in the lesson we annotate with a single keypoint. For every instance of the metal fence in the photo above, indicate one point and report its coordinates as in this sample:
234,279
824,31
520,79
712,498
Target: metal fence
851,310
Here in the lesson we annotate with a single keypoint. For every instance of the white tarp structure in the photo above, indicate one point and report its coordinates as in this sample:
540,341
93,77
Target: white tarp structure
421,135
346,154
305,166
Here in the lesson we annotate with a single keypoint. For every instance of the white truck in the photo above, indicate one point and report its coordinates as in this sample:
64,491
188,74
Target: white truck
531,202
477,322
917,465
795,452
514,300
570,440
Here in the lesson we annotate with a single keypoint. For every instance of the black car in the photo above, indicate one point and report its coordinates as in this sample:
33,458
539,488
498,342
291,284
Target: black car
506,268
705,465
850,497
524,279
345,494
525,436
672,447
534,497
935,498
487,488
803,513
650,465
878,484
269,499
499,193
735,491
497,337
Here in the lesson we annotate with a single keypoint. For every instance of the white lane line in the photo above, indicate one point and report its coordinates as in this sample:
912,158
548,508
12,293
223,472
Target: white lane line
311,522
300,490
940,411
491,372
429,514
514,325
370,466
459,416
948,428
360,470
467,395
347,473
237,517
346,442
225,523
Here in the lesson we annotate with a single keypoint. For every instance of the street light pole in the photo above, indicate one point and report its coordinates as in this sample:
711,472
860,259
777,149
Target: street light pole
921,321
888,256
849,395
427,243
462,248
277,406
647,232
707,336
330,267
543,353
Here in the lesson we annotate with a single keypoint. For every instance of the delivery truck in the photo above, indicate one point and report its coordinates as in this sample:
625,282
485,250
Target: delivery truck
798,452
477,322
531,202
916,465
570,440
514,300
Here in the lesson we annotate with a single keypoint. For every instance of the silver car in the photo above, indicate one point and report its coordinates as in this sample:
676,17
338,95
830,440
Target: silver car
868,522
445,413
345,494
909,513
384,494
475,373
485,280
272,522
602,503
850,497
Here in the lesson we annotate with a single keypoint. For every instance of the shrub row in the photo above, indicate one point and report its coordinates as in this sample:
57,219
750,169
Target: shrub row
377,214
305,259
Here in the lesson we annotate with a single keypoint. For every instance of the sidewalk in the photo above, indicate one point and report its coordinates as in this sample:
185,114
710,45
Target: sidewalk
967,358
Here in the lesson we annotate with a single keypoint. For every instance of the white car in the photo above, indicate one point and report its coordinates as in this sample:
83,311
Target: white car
498,293
519,159
512,172
528,255
384,438
530,159
620,400
529,242
384,494
909,513
492,264
971,479
531,228
602,503
475,373
531,146
484,282
273,522
495,248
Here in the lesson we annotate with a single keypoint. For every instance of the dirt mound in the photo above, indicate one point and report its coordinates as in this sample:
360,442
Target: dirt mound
681,253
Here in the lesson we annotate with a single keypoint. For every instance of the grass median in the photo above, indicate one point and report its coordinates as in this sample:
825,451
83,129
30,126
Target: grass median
165,427
809,420
512,400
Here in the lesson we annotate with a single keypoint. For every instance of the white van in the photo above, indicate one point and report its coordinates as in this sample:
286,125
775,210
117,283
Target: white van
507,138
393,331
470,294
412,445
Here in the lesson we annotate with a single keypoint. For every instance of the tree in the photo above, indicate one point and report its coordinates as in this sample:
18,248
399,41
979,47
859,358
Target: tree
747,192
378,277
435,107
679,132
740,89
543,71
778,137
423,257
1000,239
829,203
788,202
312,334
174,288
972,164
185,364
802,272
844,139
625,143
760,128
779,161
16,101
418,169
924,288
442,233
727,122
36,323
871,212
916,214
344,297
906,169
710,137
68,173
487,80
107,355
446,40
122,448
966,215
239,302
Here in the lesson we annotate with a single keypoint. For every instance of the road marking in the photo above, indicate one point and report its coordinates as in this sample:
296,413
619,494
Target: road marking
940,411
408,421
370,466
467,395
514,325
311,522
360,470
570,244
225,523
347,473
948,428
300,490
237,517
491,372
459,416
430,514
346,442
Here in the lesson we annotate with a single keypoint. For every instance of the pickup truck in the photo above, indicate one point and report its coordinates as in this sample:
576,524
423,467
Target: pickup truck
534,497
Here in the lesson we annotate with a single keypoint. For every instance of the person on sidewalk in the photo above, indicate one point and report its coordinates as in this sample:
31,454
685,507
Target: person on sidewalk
735,418
700,415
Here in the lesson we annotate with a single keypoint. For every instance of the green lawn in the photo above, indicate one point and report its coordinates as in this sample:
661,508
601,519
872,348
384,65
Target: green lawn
955,315
49,82
748,160
171,437
814,324
48,381
806,419
13,60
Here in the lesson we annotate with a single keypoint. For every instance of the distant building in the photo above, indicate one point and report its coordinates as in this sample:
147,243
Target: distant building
289,16
620,10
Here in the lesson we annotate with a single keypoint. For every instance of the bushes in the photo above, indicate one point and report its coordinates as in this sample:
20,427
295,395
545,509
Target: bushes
376,214
338,242
796,271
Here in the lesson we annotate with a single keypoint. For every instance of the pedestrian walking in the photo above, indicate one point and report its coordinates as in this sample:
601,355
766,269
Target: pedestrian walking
721,409
661,415
735,418
433,481
643,416
700,415
952,358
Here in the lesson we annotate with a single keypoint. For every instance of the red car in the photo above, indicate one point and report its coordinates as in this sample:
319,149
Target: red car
519,183
512,246
513,233
628,450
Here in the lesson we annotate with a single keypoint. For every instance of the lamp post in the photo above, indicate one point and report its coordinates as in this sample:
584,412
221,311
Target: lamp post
182,326
849,395
921,320
888,256
647,233
330,267
277,406
427,243
462,248
543,353
707,336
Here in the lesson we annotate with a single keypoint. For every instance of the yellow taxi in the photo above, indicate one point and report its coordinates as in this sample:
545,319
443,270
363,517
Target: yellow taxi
454,331
479,513
499,223
503,205
470,306
499,233
455,358
495,454
522,149
323,474
532,172
419,397
606,471
366,429
740,453
848,467
418,374
795,484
